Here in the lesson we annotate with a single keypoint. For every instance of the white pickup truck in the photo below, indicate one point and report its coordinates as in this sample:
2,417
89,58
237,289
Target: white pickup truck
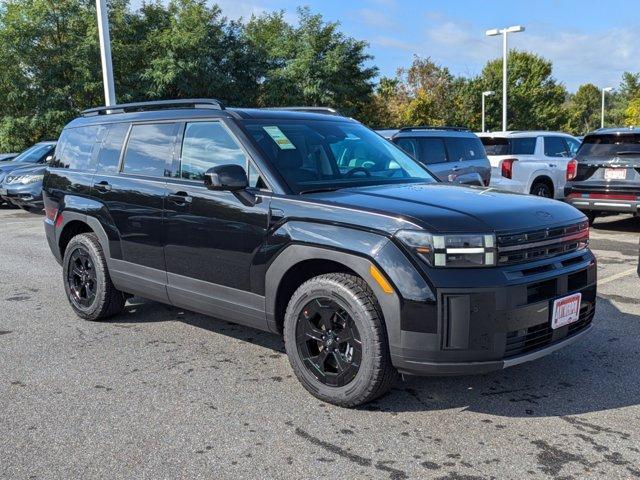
530,162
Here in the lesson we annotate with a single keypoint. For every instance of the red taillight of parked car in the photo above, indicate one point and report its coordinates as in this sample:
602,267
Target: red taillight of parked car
572,169
507,167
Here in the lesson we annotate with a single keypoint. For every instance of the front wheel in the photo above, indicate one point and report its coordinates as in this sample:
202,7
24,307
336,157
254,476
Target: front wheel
336,340
87,283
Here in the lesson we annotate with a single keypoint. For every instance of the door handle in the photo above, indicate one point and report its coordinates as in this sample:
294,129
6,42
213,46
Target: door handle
180,198
102,186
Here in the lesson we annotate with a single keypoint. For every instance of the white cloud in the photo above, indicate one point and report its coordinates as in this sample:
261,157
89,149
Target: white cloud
375,18
389,42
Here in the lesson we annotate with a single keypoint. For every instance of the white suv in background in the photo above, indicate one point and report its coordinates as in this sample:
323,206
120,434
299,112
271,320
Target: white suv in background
530,162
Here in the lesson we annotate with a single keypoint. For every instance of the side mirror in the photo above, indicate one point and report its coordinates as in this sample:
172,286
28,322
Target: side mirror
226,177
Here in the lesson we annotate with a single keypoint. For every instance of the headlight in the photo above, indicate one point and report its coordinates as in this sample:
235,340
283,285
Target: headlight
25,179
452,250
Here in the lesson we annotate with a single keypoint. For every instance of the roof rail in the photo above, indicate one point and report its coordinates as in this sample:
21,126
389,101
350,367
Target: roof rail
428,127
322,110
155,105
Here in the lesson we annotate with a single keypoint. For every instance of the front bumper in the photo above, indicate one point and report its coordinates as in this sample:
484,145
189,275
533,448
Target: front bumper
478,330
24,196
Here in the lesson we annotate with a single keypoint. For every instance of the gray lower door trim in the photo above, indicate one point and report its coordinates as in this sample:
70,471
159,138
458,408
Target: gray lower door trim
218,301
139,280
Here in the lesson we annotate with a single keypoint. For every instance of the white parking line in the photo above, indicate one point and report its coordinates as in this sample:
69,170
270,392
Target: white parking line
617,276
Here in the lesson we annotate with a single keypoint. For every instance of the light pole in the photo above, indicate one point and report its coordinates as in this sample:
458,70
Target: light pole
604,90
485,95
505,52
105,53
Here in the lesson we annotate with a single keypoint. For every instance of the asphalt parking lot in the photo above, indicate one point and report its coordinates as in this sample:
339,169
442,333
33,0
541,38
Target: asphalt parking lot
165,393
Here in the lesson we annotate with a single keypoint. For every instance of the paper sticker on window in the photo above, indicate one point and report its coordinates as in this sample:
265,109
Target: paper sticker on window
280,138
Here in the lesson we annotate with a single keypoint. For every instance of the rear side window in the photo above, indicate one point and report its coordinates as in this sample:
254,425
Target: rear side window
555,147
462,149
150,149
522,146
206,145
77,146
109,156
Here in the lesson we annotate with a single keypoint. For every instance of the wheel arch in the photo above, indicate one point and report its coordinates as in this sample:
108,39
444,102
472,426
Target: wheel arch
543,177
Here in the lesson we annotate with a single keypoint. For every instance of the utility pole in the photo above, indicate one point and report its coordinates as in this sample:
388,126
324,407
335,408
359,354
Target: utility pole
485,95
105,53
604,91
505,52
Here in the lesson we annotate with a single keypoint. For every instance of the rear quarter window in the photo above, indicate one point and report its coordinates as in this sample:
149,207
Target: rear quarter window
522,146
77,148
464,149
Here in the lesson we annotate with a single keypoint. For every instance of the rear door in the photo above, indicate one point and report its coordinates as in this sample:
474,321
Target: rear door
468,160
430,151
131,184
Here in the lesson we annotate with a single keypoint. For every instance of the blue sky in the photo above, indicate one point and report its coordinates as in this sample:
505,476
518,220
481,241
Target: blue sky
587,41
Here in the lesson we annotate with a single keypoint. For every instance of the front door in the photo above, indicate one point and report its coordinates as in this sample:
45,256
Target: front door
213,241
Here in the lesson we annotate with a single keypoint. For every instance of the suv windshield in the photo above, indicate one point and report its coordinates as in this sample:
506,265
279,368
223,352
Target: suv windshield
321,155
33,154
610,145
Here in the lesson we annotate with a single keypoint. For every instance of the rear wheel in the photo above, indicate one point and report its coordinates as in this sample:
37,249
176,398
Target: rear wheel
87,283
591,215
336,340
542,189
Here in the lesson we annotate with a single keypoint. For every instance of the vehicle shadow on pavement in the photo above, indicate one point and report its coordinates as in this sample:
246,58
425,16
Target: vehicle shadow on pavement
627,224
597,373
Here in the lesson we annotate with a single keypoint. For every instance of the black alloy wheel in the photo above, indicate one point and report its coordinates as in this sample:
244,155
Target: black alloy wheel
541,190
82,278
328,342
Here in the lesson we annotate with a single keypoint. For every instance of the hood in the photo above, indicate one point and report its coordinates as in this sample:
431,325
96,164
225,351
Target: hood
13,167
443,207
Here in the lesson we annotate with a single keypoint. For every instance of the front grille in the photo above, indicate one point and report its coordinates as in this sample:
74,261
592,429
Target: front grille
539,244
542,335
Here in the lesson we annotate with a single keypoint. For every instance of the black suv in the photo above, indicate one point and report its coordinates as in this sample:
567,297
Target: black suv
605,175
259,217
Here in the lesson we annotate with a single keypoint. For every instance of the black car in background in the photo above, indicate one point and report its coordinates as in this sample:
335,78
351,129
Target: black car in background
23,187
453,154
38,154
605,175
314,227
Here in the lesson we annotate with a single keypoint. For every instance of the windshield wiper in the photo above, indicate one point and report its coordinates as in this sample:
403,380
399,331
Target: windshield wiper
319,190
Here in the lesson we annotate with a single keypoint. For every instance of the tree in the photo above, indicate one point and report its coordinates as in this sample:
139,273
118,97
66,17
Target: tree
583,110
312,63
535,97
632,113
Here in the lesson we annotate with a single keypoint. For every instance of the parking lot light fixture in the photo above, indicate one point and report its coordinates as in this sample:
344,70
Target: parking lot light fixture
105,53
485,95
504,32
604,91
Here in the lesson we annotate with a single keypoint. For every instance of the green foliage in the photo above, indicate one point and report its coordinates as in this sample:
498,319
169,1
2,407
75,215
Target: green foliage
632,113
583,110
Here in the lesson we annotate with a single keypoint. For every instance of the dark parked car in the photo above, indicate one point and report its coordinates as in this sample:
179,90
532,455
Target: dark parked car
452,154
37,154
23,188
605,175
314,227
7,157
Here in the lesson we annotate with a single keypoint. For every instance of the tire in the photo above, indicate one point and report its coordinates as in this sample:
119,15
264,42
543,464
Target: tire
85,253
542,189
370,373
591,216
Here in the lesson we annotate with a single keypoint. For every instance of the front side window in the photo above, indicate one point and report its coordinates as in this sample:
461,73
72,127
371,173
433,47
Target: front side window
328,155
34,154
206,145
555,147
150,149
